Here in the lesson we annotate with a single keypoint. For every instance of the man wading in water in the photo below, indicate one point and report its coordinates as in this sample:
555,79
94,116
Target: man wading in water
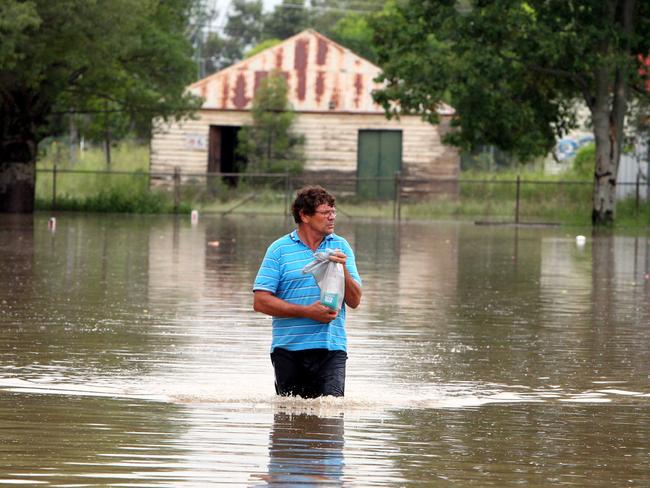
309,345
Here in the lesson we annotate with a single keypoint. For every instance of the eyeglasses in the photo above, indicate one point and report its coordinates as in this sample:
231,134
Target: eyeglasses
326,213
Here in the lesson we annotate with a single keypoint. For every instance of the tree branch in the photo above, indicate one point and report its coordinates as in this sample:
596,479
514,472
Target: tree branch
579,80
582,84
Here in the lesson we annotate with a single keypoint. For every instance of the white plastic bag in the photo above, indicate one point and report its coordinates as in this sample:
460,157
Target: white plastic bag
330,278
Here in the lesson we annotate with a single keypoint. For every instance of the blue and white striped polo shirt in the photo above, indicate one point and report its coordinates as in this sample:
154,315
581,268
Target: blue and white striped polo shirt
281,274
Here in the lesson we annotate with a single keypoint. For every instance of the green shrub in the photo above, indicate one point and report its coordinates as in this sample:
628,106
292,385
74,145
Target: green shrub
116,199
584,163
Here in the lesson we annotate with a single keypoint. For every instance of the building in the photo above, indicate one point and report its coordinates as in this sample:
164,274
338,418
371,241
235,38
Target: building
347,135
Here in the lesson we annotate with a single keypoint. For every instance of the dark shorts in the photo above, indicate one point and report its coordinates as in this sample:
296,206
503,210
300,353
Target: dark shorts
310,373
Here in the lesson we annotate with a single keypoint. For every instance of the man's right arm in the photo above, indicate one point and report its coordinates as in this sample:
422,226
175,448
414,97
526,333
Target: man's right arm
267,303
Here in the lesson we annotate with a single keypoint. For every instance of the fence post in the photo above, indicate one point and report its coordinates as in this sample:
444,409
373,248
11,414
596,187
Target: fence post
397,203
517,200
54,187
287,190
638,192
177,188
647,182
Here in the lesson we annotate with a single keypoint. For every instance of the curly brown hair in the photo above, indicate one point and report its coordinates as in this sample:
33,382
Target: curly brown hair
308,199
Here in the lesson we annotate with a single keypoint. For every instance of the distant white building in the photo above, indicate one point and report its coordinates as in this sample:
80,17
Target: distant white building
634,165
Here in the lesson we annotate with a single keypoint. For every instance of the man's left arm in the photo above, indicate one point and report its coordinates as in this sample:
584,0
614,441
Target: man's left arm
352,296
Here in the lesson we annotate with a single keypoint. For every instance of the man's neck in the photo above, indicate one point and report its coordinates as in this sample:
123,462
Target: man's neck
309,237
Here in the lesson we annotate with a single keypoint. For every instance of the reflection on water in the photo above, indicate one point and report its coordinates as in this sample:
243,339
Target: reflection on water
304,450
481,356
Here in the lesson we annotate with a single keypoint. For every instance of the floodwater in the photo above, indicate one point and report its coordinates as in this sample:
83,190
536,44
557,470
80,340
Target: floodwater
480,356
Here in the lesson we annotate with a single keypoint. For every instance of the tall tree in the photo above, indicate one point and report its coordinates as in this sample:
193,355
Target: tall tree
249,30
243,30
346,22
133,54
354,32
515,71
246,22
286,20
219,52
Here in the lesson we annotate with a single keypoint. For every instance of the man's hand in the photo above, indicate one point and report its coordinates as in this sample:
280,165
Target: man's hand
320,313
338,257
352,296
269,304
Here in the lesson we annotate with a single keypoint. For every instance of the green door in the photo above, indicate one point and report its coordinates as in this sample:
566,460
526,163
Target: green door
379,158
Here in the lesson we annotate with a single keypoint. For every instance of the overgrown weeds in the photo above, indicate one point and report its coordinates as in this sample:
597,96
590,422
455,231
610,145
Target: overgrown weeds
84,185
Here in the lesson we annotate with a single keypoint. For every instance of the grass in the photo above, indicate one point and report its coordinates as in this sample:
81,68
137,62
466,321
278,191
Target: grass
563,198
116,200
79,187
126,156
628,215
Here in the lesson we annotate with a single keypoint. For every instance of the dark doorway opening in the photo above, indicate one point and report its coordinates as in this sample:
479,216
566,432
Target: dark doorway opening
222,155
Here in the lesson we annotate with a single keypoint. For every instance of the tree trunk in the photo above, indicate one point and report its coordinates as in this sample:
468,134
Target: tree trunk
20,113
17,182
604,196
18,148
608,113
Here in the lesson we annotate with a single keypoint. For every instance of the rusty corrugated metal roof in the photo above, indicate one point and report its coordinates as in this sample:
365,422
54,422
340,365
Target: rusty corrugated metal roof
321,74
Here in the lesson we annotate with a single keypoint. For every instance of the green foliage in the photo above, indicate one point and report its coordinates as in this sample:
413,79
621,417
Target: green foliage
16,19
513,71
261,47
215,54
90,188
128,155
115,199
629,214
488,159
249,30
354,32
286,20
75,55
543,197
585,161
639,114
269,144
346,22
106,124
243,29
246,22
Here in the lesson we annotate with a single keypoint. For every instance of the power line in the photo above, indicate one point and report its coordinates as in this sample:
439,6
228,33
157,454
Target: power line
220,27
323,8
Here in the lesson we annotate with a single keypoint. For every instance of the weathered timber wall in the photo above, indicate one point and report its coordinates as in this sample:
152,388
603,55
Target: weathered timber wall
185,144
331,145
